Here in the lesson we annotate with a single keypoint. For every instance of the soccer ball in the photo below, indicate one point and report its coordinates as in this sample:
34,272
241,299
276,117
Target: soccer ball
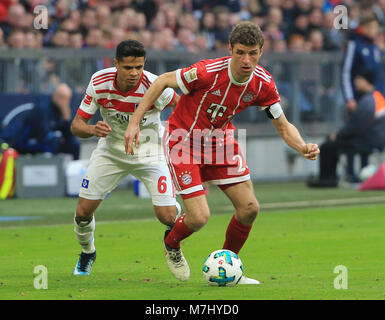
222,268
367,172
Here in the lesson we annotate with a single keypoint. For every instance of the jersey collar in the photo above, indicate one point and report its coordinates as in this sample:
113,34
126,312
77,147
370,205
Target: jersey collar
232,80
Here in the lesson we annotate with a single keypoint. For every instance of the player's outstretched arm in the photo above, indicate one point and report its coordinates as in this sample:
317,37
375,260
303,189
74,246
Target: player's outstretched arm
81,128
166,80
292,137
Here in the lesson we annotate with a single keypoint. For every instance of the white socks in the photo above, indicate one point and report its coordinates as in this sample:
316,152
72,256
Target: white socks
84,232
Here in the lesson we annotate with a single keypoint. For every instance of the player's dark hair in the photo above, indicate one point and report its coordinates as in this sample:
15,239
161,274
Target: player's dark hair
247,34
130,48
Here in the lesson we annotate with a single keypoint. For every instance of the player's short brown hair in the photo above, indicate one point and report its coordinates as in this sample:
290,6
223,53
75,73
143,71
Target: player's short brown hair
246,33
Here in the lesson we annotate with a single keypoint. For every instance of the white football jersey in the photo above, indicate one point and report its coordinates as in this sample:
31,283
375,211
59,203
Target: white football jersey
116,107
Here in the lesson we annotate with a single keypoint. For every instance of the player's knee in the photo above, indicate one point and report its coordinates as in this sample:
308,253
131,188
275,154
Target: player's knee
83,213
166,215
199,221
250,212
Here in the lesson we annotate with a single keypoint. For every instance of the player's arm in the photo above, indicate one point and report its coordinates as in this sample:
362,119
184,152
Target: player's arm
292,137
81,128
166,80
174,102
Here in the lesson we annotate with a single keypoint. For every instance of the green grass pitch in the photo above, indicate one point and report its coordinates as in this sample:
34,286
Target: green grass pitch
294,247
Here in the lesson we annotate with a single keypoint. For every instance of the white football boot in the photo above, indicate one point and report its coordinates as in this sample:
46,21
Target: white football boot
176,261
246,280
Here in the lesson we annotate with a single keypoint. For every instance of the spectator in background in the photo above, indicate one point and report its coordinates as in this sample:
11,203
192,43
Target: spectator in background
88,20
145,37
43,126
94,38
2,42
275,16
207,29
316,40
315,19
188,21
69,25
201,43
15,20
75,40
185,40
222,25
16,39
363,133
279,45
167,37
333,38
301,25
362,54
60,39
171,14
297,43
49,76
103,14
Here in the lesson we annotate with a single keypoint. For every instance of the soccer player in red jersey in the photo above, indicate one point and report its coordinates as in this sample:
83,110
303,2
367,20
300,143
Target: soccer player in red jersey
116,92
199,142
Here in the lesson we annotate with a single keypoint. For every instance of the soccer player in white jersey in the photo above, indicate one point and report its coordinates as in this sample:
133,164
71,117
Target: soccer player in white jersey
214,91
116,92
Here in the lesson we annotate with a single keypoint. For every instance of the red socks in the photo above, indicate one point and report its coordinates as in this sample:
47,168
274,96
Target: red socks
236,235
179,232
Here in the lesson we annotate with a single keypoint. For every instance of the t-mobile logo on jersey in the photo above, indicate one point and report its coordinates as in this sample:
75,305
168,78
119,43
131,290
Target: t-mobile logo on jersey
216,110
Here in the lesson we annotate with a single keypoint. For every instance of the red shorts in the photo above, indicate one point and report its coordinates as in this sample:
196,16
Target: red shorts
191,166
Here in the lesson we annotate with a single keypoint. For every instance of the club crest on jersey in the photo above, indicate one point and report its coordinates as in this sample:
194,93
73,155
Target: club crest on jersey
191,75
85,183
186,178
248,97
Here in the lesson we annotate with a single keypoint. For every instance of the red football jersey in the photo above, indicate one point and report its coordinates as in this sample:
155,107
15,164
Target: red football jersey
212,97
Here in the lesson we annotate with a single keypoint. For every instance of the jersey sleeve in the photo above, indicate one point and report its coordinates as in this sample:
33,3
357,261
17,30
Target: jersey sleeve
191,78
88,106
167,96
269,94
269,100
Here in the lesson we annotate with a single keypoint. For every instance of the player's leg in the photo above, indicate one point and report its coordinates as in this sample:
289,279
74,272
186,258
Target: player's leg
246,210
84,228
234,179
196,216
156,178
168,214
103,174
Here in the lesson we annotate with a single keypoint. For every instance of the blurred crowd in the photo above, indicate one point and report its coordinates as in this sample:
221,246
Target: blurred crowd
185,25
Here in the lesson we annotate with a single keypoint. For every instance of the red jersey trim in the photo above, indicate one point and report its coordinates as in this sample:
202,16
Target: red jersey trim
132,91
134,94
118,105
103,81
104,75
84,114
172,100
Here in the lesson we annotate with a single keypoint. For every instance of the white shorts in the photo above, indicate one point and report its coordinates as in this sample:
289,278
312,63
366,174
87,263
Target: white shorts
106,170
